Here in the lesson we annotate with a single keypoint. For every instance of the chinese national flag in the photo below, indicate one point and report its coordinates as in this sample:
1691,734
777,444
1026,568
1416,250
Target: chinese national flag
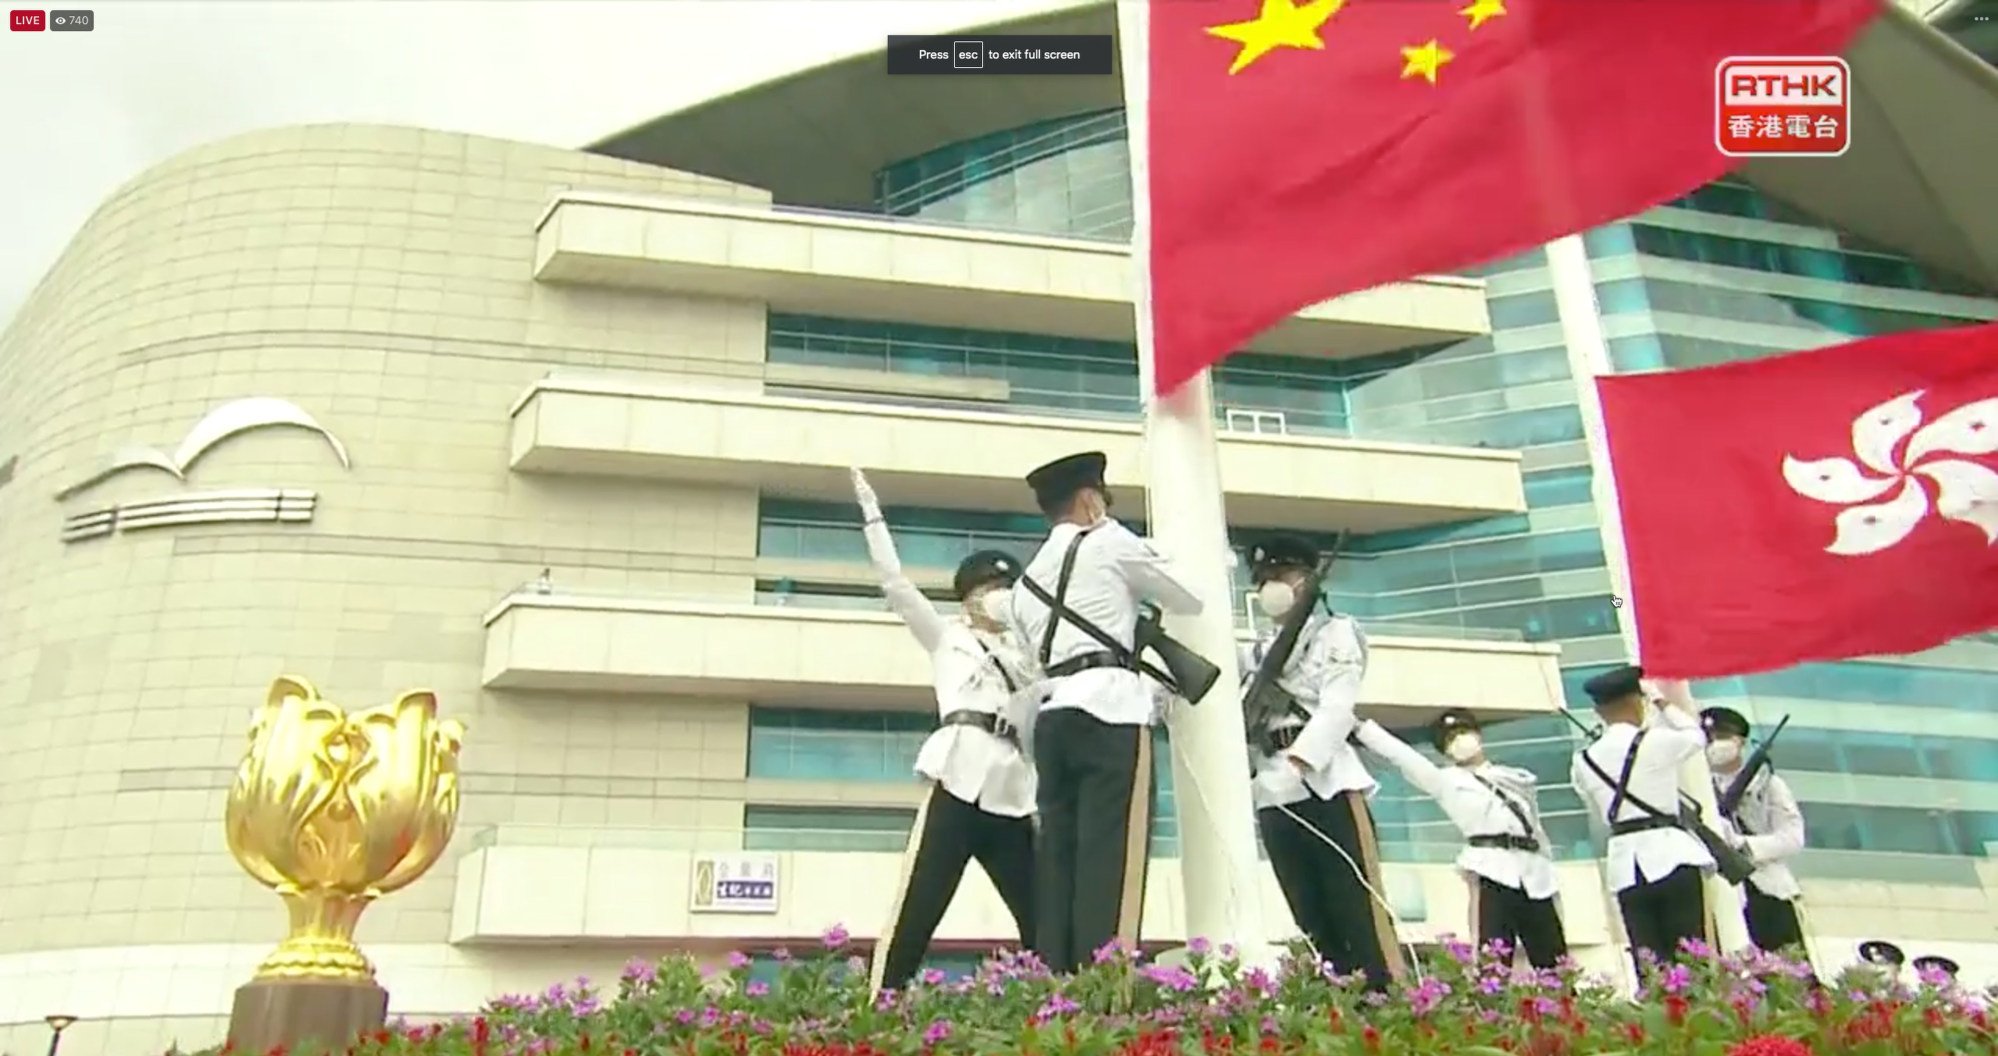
1302,149
1821,505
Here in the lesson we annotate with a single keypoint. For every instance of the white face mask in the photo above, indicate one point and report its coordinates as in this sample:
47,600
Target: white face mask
1464,747
993,605
1276,597
1724,753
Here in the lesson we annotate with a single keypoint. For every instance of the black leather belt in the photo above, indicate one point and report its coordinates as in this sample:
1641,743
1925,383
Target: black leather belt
1506,841
1085,662
1627,828
986,721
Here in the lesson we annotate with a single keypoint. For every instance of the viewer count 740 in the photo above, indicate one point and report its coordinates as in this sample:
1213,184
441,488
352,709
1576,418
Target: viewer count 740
32,21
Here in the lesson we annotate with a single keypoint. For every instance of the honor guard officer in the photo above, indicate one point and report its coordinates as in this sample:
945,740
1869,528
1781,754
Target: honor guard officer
1077,609
1310,788
981,801
1506,856
1770,823
1630,778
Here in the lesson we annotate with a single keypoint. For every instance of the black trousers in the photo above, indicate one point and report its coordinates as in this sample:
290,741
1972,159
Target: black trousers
1327,890
1658,914
950,833
1773,923
1096,823
1526,923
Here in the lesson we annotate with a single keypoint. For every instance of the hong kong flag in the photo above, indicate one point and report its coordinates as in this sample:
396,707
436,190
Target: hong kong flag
1821,505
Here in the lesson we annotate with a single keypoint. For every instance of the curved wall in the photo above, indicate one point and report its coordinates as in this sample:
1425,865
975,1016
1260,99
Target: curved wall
379,278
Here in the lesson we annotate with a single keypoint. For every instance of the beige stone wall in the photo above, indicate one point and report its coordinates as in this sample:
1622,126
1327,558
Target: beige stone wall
379,278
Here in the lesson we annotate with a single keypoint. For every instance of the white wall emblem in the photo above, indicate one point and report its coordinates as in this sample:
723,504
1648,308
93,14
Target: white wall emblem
230,419
284,505
1965,491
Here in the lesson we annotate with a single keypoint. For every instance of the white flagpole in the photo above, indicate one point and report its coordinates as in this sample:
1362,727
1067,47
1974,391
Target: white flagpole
1219,870
1588,359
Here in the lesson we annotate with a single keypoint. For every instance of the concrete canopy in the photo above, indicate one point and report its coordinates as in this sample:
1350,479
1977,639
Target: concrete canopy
1920,177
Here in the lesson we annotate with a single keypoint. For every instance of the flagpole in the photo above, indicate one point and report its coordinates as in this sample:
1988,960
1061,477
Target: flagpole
1569,273
1220,873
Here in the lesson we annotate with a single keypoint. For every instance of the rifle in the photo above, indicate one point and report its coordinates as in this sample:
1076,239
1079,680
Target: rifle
1192,674
1758,760
1263,702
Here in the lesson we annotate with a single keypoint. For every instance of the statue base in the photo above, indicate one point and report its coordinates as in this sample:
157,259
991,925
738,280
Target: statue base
305,1014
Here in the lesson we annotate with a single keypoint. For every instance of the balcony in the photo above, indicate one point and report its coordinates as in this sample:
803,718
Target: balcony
932,456
845,658
876,267
522,884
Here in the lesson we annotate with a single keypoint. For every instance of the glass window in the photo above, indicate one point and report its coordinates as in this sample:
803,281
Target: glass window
1861,682
1568,486
1722,302
802,744
1815,262
825,828
1523,309
1065,176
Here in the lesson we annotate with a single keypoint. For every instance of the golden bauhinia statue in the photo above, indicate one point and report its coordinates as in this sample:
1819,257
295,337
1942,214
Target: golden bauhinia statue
333,810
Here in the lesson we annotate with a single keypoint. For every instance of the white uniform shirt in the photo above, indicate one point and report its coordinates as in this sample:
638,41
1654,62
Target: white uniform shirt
971,764
1114,571
1655,780
1323,675
1478,810
1772,824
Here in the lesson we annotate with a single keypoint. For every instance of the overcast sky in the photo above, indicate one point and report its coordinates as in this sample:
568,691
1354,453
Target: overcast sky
85,112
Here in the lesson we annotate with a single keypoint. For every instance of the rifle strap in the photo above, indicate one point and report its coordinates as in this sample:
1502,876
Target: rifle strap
1012,685
1525,823
1057,603
1620,787
1058,611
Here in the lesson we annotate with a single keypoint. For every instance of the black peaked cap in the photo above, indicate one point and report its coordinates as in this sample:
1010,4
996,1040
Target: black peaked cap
985,566
1615,684
1059,480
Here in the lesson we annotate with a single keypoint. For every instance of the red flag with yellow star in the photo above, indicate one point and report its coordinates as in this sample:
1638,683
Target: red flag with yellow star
1302,149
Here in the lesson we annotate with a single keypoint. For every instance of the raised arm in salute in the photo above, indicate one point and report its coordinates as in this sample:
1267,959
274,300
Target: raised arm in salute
1505,857
981,801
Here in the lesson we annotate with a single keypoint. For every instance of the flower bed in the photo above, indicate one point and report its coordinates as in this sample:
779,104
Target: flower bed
1469,1003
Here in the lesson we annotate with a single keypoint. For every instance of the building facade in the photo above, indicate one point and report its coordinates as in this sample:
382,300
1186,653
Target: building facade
563,436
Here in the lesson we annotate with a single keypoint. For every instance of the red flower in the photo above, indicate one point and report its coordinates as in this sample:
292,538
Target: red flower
1634,1032
1770,1045
1334,1020
1675,1009
1372,1038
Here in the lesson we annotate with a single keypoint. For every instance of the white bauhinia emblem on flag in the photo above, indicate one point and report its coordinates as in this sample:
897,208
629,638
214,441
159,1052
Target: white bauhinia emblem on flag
1965,491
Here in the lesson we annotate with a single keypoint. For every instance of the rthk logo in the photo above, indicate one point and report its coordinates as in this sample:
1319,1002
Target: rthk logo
1783,107
28,22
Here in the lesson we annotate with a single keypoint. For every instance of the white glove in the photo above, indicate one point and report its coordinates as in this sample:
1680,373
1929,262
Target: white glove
870,503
